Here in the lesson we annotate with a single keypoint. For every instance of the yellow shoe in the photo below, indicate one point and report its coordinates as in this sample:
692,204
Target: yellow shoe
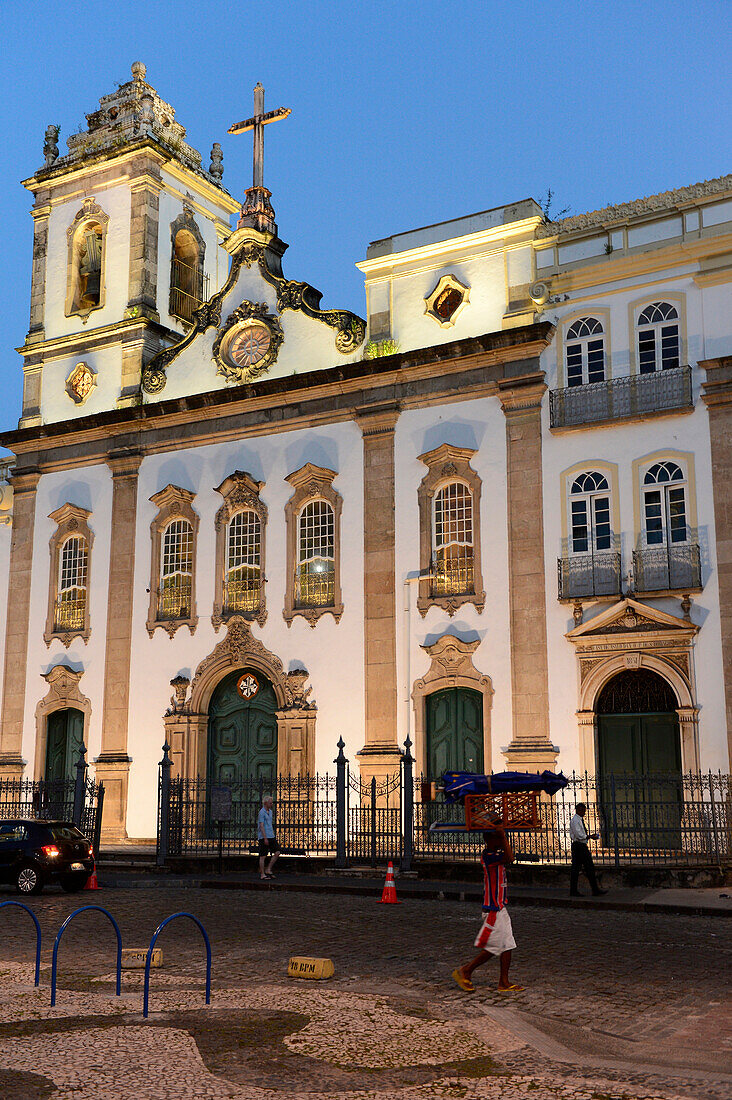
464,983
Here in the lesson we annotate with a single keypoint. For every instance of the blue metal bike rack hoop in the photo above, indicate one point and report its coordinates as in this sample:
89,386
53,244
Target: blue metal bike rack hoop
62,929
148,960
19,905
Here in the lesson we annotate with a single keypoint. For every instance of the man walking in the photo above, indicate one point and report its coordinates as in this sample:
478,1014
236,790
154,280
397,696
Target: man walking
495,937
268,845
581,857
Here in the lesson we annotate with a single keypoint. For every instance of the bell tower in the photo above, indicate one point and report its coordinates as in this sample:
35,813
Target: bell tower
128,228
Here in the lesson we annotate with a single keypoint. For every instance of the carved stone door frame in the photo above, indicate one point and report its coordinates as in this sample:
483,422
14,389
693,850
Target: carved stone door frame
452,667
634,635
186,722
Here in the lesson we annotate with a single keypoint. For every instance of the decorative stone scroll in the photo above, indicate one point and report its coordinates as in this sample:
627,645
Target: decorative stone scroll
301,297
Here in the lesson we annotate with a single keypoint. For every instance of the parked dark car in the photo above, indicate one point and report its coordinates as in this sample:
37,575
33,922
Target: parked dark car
33,853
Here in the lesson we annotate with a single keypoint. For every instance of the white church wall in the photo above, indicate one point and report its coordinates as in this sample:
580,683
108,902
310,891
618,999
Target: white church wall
332,652
478,424
717,310
90,488
115,202
106,365
483,274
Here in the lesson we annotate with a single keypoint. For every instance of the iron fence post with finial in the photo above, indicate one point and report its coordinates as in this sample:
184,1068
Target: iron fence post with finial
164,805
408,805
79,787
341,764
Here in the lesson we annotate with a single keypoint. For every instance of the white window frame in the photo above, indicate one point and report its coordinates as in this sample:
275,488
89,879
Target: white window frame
441,585
591,494
250,551
581,333
655,325
664,489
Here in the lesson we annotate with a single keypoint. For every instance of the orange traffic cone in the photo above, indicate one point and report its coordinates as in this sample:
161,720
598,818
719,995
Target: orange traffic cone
389,896
92,883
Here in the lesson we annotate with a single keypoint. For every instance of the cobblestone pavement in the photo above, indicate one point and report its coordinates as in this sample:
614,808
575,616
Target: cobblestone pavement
617,1005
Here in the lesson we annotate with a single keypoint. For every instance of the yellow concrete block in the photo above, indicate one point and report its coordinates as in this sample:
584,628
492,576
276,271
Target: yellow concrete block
133,958
300,966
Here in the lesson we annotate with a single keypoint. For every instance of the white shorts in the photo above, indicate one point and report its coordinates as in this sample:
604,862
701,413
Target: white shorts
496,933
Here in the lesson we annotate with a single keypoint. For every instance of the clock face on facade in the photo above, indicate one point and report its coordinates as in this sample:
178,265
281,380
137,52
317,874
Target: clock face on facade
249,344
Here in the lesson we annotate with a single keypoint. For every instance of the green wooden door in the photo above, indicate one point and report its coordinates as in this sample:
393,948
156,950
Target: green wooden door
643,752
242,732
454,731
64,738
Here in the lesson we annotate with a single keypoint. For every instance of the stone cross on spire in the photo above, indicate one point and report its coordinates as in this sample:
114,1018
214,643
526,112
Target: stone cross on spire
257,123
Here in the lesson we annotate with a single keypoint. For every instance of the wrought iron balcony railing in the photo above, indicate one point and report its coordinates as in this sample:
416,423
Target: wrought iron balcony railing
621,398
588,575
188,290
242,594
69,614
663,568
452,579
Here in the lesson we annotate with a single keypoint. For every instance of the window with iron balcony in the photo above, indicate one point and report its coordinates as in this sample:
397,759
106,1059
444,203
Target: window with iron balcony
240,523
667,557
591,564
68,594
660,384
313,518
173,537
449,514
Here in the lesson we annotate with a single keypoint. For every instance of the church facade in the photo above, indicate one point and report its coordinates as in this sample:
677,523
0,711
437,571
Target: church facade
493,515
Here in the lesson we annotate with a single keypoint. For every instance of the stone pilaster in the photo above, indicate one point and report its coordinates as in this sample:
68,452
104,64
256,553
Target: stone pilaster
113,763
380,753
717,396
530,748
40,213
144,218
24,484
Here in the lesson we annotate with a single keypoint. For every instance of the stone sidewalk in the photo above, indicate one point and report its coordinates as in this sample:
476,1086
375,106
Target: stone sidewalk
617,1004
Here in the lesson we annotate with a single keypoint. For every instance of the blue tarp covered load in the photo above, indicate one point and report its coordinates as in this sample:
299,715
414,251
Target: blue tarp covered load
458,784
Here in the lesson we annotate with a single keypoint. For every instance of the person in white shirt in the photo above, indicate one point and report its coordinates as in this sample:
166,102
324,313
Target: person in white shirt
581,857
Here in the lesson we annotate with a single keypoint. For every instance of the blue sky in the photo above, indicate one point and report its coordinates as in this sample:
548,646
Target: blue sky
403,113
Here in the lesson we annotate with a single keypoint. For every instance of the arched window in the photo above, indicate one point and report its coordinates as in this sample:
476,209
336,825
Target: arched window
658,338
313,518
315,577
188,284
664,505
173,535
589,505
72,585
242,585
585,352
176,571
452,540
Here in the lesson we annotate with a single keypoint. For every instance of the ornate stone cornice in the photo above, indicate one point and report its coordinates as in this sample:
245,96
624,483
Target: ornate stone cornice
518,395
717,389
624,211
377,421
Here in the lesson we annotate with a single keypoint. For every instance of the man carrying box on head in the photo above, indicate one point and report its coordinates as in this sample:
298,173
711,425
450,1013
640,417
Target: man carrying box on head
495,937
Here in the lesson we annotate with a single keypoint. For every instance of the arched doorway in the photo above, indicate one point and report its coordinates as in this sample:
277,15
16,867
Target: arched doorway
242,730
639,759
454,731
637,724
64,739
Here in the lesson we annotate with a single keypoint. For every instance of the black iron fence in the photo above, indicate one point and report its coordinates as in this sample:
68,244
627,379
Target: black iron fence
78,800
647,819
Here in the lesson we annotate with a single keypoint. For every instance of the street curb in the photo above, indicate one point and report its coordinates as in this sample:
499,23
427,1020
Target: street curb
406,890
